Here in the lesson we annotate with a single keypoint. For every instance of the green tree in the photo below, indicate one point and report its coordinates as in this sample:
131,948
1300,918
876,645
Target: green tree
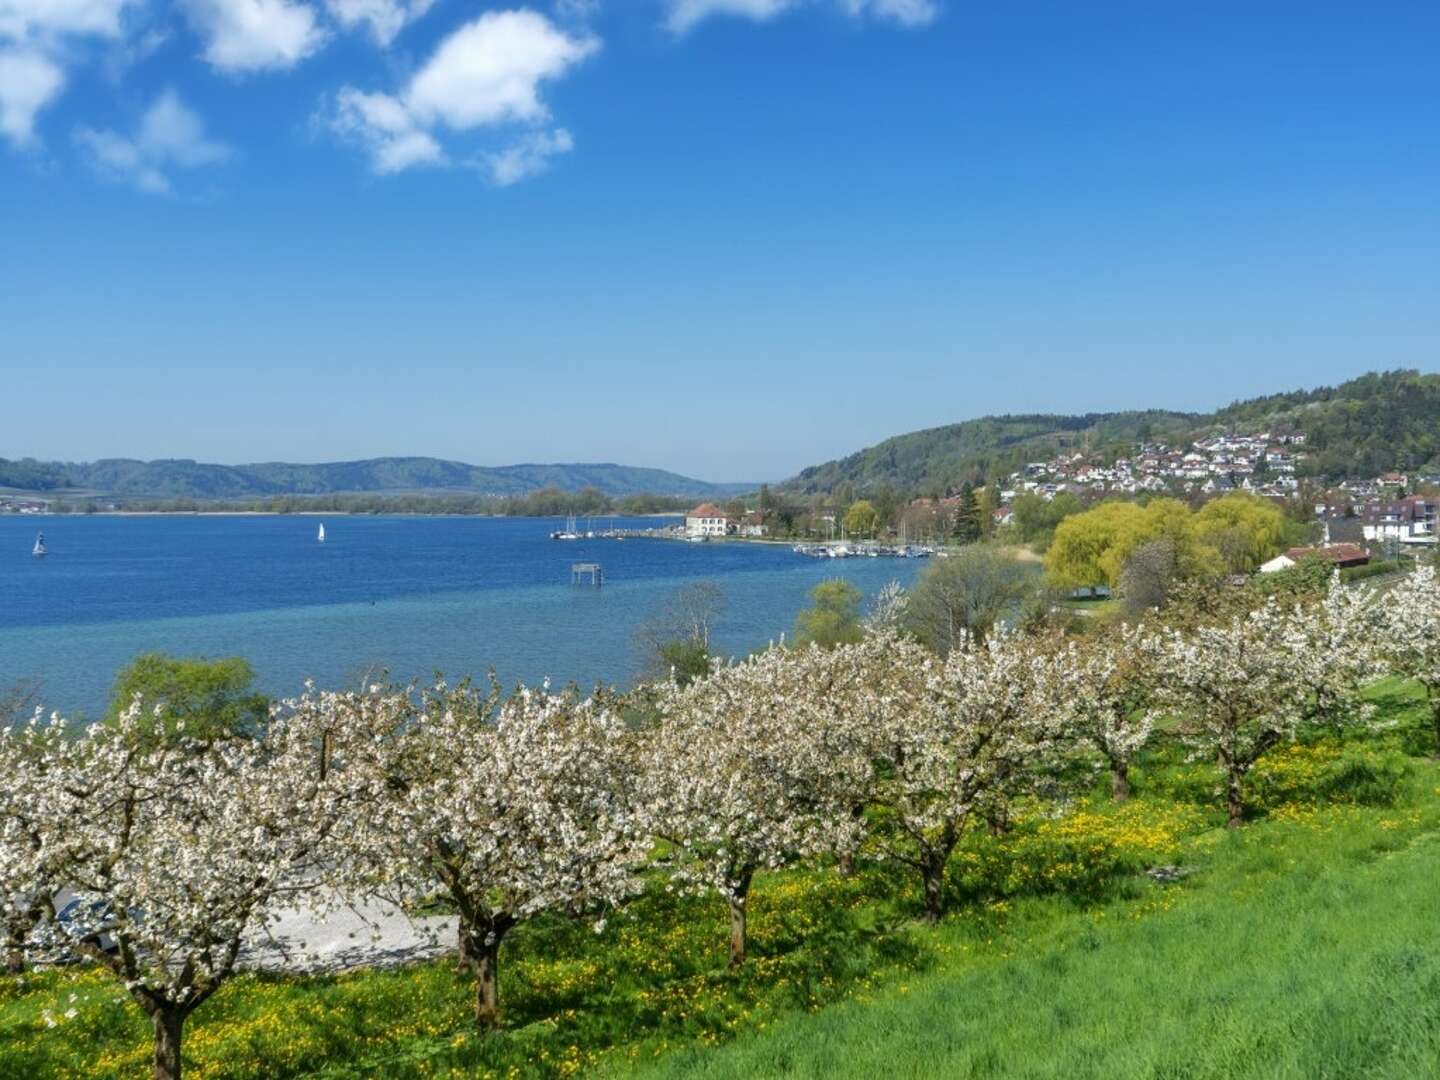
888,505
207,699
1085,543
1245,530
675,642
862,519
835,618
1093,548
987,500
970,592
684,659
967,521
1037,517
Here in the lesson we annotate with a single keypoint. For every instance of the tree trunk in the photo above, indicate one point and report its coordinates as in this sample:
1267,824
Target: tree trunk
1435,715
737,932
465,964
485,959
998,821
14,950
738,899
933,871
847,857
1234,799
168,1021
1119,781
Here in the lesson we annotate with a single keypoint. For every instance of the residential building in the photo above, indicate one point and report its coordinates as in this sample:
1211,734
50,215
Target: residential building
707,519
1342,555
1410,520
753,523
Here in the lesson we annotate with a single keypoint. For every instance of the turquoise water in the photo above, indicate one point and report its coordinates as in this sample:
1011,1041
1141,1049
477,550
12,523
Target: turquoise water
411,596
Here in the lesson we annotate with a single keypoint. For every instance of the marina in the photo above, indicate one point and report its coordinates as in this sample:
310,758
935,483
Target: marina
843,550
836,549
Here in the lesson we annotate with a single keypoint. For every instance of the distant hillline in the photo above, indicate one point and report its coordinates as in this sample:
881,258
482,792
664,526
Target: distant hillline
180,478
1379,422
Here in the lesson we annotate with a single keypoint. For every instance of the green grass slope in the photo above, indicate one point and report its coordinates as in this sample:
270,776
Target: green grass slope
1304,952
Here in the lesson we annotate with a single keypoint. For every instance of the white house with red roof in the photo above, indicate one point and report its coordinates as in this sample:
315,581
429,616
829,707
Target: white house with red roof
707,519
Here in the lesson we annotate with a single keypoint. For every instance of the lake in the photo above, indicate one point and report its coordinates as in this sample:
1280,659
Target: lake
411,595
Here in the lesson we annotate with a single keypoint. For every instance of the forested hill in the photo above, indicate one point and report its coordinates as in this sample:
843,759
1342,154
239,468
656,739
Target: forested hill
180,478
942,458
1372,424
1376,423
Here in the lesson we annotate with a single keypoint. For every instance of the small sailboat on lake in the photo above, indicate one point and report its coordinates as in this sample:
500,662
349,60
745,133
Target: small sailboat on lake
320,536
39,550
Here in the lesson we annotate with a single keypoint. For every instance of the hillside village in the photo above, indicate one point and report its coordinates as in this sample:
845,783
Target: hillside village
1262,463
1378,512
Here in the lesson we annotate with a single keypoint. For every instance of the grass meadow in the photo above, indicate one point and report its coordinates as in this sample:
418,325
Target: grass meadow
1305,945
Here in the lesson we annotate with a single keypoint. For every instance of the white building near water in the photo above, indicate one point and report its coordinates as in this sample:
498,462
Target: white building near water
707,519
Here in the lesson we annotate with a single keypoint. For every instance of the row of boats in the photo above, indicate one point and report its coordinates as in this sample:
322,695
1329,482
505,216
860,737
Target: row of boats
864,551
572,532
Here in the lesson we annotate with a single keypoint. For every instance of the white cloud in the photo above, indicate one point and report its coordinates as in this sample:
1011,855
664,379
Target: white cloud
490,70
385,127
577,10
34,39
170,135
528,157
41,19
254,35
28,82
685,14
487,73
904,12
386,18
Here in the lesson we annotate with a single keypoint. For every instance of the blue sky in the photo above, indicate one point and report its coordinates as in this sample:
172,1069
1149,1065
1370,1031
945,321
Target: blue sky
729,237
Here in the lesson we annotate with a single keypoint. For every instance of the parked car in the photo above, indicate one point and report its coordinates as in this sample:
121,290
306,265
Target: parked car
89,922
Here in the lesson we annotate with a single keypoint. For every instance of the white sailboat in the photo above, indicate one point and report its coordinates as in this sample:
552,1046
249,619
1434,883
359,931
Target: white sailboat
39,550
320,536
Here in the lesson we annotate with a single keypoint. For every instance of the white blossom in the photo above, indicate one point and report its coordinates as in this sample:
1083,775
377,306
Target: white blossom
971,735
176,849
1108,688
505,808
1411,623
1247,685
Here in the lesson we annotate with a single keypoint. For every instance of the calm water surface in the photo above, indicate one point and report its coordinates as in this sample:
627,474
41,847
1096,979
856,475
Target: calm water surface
409,594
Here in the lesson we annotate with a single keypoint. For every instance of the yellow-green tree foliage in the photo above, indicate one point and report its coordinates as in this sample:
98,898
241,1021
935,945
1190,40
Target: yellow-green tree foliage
1231,534
1243,530
862,519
